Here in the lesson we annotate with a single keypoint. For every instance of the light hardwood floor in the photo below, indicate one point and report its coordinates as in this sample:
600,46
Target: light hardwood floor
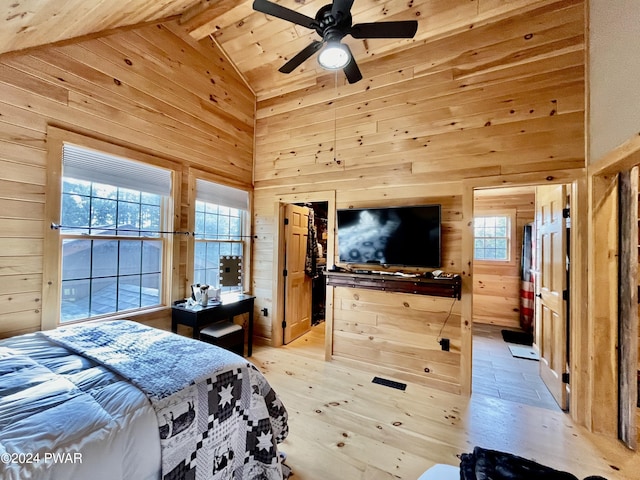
499,374
342,426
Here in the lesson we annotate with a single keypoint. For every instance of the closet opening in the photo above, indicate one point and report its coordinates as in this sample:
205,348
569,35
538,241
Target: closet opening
317,259
305,262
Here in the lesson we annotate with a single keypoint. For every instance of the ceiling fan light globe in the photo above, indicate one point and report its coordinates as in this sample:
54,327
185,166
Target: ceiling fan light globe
333,57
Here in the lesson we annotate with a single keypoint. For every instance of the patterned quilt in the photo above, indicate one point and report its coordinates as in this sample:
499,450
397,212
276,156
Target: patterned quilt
218,418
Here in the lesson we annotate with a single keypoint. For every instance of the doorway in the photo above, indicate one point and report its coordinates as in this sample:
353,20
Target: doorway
317,266
305,259
323,204
297,284
510,347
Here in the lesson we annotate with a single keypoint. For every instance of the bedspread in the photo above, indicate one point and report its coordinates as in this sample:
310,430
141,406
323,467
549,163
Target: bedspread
218,417
63,416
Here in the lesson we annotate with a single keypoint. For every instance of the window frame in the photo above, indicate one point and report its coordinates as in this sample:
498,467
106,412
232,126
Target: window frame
52,261
93,277
511,214
206,241
197,174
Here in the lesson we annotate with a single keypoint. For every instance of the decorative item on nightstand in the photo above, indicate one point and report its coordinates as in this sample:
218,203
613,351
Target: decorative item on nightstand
204,295
214,294
200,294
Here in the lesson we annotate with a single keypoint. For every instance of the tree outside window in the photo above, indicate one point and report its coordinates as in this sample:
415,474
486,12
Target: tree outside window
111,242
219,222
218,233
111,249
492,238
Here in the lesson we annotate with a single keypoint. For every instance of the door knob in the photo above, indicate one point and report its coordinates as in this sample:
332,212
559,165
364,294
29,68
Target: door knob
539,295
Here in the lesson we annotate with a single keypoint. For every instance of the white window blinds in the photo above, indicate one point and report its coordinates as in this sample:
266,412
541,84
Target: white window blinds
221,195
90,165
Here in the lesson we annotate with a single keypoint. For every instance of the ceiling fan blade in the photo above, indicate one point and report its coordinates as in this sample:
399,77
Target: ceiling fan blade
351,70
400,29
300,57
284,13
341,6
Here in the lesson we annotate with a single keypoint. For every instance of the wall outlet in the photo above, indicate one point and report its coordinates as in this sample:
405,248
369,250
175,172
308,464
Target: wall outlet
445,343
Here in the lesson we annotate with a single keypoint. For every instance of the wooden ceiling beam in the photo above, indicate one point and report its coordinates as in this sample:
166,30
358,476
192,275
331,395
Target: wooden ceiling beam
84,38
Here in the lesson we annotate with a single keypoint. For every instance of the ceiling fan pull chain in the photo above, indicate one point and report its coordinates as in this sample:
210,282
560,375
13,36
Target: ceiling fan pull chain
335,116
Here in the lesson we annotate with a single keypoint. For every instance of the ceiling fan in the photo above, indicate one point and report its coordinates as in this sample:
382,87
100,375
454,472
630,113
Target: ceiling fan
332,23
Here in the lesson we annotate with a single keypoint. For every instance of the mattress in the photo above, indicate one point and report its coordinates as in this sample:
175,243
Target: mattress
120,400
65,416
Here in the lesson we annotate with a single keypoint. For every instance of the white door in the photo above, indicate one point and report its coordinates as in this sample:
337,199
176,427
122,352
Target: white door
551,333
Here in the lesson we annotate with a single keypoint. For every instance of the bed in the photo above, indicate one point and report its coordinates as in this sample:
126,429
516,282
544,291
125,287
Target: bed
120,400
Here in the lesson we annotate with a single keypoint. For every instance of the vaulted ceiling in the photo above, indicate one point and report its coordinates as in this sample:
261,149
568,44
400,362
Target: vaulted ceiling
255,43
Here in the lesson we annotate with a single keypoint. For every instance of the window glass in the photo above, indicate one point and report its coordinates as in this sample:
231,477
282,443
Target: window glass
492,238
112,247
218,234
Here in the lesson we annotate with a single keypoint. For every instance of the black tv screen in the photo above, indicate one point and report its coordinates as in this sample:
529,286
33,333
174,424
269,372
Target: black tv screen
407,236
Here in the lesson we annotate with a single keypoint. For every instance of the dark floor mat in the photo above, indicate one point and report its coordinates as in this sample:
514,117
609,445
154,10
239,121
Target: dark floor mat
521,338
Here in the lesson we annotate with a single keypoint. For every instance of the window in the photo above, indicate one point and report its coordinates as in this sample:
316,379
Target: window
492,238
113,213
219,236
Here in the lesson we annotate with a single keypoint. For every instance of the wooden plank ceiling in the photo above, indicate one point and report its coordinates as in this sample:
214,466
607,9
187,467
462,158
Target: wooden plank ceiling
255,43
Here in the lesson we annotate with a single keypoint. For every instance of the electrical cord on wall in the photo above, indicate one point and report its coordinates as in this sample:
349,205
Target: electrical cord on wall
445,320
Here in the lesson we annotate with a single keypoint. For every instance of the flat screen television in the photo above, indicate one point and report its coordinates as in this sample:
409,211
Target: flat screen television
405,236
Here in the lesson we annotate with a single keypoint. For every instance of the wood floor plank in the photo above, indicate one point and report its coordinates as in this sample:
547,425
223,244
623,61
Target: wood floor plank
342,426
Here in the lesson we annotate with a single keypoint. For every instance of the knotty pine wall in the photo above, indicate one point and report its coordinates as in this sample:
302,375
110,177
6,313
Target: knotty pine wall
505,99
399,332
496,287
152,89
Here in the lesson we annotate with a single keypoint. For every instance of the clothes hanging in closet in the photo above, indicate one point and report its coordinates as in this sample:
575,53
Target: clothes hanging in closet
312,248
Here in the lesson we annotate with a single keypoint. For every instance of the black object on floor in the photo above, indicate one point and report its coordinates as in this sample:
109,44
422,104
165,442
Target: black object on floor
521,338
483,464
389,383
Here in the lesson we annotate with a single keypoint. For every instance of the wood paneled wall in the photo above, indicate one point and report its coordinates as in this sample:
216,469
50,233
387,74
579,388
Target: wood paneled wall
152,89
399,333
502,99
496,287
